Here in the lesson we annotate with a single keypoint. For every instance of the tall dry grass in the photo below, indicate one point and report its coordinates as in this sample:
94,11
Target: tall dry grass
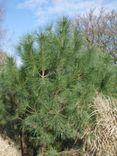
102,141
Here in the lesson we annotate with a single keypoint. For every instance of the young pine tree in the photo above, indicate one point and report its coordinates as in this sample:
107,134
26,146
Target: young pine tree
50,94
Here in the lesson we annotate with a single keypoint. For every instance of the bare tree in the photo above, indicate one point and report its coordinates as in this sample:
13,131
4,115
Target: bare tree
1,21
99,29
2,33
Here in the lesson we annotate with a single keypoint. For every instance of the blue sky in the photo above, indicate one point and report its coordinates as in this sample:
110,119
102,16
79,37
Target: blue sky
23,16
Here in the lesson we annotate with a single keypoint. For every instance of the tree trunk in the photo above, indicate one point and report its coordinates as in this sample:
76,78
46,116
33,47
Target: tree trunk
24,143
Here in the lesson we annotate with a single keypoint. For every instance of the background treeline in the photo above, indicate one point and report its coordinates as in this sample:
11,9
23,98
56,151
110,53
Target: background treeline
99,28
53,103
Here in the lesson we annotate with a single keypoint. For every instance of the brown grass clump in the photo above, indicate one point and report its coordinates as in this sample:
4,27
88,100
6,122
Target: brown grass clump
8,148
2,57
104,142
71,152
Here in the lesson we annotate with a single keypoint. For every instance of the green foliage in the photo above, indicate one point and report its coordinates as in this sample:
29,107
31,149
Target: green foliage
50,94
51,152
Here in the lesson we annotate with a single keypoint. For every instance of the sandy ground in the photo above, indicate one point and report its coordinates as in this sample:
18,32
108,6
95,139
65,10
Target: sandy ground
7,148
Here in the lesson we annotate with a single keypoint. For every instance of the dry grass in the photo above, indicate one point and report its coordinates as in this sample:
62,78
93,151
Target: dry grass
71,152
2,57
104,142
7,148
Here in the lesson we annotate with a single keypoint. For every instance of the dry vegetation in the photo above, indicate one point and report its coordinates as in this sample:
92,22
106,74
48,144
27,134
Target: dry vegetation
99,29
8,148
2,57
105,132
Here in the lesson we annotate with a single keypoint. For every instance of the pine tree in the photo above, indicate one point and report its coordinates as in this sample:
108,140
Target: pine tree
48,98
